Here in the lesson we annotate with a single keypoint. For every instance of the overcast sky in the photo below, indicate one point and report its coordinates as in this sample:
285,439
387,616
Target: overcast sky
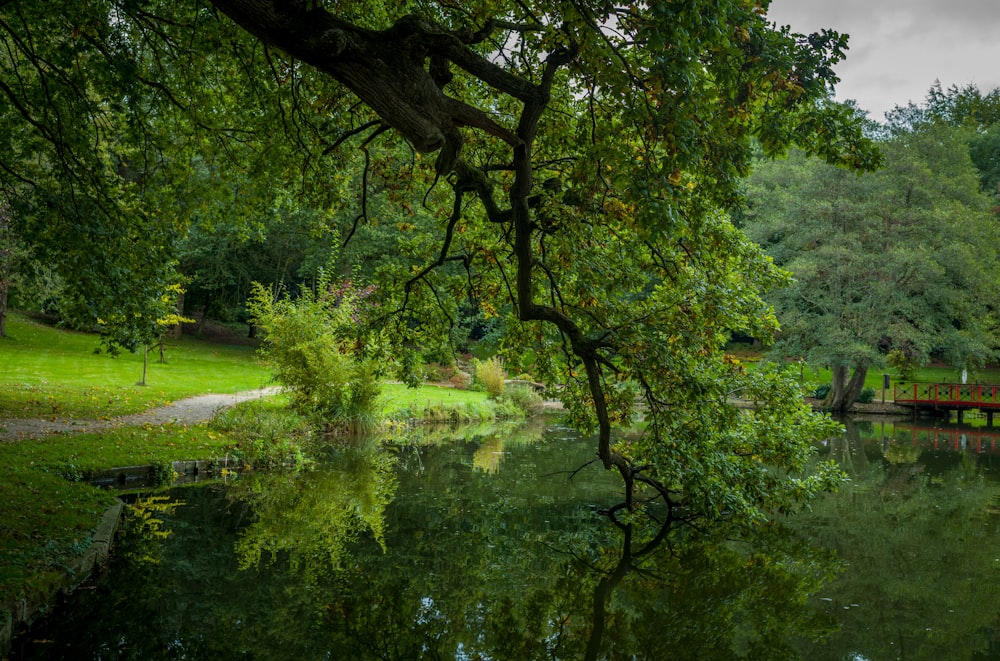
898,48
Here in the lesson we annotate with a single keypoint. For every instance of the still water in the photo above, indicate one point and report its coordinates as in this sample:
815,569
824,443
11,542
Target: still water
488,545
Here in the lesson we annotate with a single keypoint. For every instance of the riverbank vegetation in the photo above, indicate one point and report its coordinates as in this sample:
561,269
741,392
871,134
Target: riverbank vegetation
48,511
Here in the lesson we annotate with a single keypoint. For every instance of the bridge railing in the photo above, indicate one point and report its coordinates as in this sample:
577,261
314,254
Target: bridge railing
947,394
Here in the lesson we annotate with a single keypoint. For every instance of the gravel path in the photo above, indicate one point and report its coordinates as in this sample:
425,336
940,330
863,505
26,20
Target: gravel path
185,411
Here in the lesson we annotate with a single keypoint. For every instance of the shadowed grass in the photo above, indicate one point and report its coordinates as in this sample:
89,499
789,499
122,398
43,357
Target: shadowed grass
47,514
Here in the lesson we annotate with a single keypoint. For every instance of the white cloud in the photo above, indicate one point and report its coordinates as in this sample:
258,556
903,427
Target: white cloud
898,48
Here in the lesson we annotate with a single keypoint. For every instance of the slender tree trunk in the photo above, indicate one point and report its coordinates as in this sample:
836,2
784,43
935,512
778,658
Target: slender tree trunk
3,311
176,330
145,357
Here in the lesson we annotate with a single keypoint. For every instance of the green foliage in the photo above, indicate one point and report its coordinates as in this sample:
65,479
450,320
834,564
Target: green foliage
162,473
525,398
314,347
902,362
898,259
265,436
312,518
867,396
821,391
491,374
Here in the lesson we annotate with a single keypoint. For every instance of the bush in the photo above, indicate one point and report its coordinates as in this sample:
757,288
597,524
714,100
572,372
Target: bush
903,362
492,375
821,391
525,398
866,396
438,373
313,345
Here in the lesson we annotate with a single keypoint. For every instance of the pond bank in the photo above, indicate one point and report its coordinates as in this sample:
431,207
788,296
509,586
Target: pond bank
14,615
872,408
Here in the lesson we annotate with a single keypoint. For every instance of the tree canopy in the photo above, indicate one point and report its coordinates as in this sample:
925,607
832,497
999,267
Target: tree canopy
563,165
898,260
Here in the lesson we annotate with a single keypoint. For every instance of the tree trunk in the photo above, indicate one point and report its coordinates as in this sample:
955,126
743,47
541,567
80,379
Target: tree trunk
145,361
844,392
3,311
855,386
836,394
176,330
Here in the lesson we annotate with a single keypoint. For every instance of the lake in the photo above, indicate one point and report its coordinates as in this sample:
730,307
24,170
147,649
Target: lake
488,544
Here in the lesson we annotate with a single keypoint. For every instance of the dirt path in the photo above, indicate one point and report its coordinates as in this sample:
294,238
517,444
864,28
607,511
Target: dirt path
185,411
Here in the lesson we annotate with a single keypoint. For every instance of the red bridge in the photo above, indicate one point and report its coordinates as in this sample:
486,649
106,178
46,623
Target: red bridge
958,397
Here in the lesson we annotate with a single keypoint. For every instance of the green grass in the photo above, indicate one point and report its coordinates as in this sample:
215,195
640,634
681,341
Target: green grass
437,404
46,517
929,374
400,401
49,372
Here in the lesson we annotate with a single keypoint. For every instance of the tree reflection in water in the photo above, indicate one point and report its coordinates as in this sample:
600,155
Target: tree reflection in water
433,550
460,566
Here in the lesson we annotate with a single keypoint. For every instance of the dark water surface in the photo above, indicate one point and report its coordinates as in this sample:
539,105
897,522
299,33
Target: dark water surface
483,547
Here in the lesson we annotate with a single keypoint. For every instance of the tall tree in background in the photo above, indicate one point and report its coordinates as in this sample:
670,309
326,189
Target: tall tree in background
960,107
10,254
574,157
900,259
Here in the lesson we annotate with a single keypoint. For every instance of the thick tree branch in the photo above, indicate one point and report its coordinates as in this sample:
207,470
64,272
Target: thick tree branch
388,70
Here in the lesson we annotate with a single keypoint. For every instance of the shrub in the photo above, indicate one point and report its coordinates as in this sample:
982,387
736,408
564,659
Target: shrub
904,362
492,375
866,396
314,346
821,391
525,398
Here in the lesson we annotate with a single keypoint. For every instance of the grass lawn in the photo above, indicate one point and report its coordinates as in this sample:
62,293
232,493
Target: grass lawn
435,403
49,372
873,379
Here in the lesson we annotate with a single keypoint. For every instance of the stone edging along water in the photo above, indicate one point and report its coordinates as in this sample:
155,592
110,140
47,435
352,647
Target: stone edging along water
13,615
23,611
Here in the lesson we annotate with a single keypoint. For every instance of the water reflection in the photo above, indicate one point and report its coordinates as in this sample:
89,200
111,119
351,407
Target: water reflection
311,519
480,546
918,531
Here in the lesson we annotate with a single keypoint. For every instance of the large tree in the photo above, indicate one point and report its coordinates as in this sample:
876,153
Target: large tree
580,153
902,259
967,107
